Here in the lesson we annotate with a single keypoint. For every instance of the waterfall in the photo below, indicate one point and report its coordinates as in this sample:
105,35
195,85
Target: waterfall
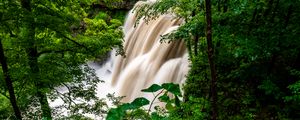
147,60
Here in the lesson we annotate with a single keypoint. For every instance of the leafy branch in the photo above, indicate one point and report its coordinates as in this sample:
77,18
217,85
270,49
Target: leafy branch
167,88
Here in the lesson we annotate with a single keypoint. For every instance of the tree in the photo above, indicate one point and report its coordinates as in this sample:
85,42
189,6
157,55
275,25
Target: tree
4,65
53,41
9,84
210,51
257,46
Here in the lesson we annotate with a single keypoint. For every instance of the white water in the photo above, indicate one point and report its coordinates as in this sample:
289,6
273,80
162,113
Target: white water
147,60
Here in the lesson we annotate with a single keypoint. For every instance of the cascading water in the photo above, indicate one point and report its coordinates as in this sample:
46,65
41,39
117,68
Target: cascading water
147,60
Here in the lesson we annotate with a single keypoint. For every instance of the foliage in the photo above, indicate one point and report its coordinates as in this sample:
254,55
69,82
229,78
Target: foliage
111,3
47,45
167,93
4,108
256,46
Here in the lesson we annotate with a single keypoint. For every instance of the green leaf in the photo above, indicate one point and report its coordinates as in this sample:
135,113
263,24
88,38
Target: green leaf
128,106
119,112
152,88
169,106
164,98
115,114
139,102
173,88
156,116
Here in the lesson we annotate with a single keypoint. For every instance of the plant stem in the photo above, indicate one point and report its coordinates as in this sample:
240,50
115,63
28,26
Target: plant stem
154,100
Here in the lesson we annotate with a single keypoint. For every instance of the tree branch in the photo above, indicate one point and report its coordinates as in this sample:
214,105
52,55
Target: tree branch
54,51
69,94
73,41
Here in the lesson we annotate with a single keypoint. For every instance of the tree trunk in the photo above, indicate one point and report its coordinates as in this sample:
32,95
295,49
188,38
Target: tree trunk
210,52
9,84
33,64
32,54
189,46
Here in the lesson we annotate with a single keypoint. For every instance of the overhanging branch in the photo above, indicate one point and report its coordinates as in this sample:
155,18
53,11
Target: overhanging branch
54,51
73,41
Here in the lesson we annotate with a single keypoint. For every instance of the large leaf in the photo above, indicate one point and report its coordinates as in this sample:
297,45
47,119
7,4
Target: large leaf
119,112
152,88
115,114
127,106
173,88
139,102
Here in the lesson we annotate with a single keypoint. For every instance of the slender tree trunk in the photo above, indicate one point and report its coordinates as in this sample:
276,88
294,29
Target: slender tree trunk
33,64
32,54
9,84
210,52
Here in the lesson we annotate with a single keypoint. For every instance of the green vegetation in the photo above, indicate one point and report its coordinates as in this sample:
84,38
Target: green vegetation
256,51
45,45
245,59
135,110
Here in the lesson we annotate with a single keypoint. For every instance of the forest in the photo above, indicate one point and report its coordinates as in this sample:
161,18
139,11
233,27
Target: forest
243,59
